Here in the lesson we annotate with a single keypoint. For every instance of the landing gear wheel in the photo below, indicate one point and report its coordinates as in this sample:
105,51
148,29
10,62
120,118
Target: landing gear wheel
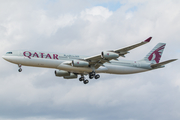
20,70
86,81
92,73
91,77
97,76
81,79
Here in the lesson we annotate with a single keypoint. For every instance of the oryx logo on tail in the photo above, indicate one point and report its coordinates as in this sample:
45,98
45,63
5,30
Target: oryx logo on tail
155,54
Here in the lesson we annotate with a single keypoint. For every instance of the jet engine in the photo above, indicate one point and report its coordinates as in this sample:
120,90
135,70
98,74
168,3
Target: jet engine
109,55
79,63
71,76
61,73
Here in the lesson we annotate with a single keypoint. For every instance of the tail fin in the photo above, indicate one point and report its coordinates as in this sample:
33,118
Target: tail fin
155,54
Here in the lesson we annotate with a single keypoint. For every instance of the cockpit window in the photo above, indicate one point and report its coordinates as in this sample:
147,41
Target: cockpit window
9,53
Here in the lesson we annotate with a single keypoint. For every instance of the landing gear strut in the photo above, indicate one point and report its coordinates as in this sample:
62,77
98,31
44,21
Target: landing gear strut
20,69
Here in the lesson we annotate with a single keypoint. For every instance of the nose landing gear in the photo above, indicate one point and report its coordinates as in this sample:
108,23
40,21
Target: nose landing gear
20,69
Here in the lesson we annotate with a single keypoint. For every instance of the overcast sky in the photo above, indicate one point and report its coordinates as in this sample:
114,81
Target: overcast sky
87,27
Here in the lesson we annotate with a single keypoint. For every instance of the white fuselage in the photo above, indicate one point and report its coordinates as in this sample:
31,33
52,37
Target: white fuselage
62,62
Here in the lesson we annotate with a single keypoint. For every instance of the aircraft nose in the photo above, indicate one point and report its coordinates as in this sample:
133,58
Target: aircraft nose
3,57
8,58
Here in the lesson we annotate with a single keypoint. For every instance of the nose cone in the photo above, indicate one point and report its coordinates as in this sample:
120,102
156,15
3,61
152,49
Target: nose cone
4,57
7,58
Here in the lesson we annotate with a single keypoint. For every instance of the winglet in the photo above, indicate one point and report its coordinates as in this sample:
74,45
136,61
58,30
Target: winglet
148,40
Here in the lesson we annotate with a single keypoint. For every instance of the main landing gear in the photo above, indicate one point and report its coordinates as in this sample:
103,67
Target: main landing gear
85,81
91,76
20,69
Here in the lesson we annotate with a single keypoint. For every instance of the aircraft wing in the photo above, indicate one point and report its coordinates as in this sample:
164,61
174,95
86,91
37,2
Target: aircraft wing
125,50
159,65
98,60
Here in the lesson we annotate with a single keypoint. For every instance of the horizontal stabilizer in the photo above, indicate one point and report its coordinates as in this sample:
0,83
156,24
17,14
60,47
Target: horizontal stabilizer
159,65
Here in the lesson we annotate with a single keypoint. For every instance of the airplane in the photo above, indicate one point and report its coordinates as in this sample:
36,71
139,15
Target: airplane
70,66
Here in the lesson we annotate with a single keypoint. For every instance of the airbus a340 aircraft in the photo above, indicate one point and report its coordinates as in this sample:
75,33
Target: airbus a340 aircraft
70,66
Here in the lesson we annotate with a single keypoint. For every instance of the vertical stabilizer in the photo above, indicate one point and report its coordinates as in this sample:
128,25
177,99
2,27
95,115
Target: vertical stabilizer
155,54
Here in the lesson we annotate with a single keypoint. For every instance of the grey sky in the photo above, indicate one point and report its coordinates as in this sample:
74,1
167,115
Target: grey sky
87,27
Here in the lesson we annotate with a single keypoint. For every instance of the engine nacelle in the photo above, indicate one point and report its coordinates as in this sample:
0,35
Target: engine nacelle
71,76
109,55
79,63
61,73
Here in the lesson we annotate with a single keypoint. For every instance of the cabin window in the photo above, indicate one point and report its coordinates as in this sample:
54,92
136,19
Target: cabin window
9,53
